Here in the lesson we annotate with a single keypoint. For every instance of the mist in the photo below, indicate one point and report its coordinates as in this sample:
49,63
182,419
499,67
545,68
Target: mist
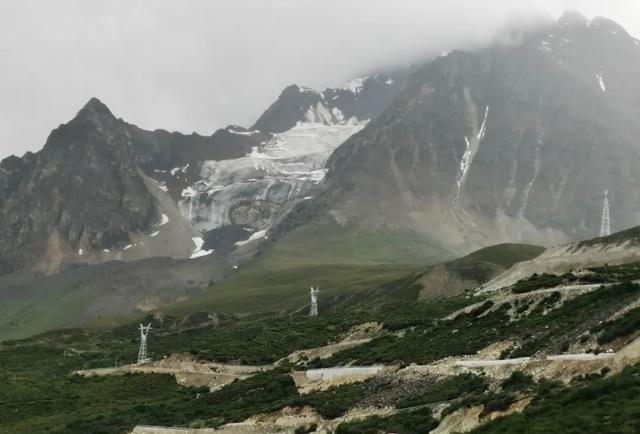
201,65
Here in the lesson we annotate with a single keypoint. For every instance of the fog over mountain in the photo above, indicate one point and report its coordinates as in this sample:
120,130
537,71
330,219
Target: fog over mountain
203,65
319,216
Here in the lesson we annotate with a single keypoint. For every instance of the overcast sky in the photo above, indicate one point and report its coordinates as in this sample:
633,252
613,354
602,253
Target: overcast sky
199,65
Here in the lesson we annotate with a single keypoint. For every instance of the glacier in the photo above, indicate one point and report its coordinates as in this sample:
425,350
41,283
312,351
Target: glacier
257,189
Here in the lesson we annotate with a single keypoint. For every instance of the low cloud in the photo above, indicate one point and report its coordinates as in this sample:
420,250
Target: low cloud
200,65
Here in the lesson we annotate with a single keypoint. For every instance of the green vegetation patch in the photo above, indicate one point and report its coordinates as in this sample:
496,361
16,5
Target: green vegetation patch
626,325
595,275
466,334
508,392
604,405
506,254
453,387
39,396
539,281
415,422
546,327
334,402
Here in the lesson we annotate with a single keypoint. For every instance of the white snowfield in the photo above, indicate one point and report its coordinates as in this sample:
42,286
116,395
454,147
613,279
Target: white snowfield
279,172
355,85
254,236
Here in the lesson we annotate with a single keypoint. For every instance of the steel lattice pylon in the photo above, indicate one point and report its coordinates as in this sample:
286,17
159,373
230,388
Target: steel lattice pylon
605,225
313,311
142,352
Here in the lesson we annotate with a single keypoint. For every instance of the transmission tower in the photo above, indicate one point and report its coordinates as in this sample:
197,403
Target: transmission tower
605,226
142,353
313,311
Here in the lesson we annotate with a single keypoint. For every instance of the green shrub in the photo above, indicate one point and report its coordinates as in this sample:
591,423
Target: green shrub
603,405
536,282
417,422
518,381
624,326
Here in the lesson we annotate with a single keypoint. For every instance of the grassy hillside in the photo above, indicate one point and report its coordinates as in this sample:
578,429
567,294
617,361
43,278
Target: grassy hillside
279,278
505,255
345,265
40,396
455,276
327,242
263,287
33,302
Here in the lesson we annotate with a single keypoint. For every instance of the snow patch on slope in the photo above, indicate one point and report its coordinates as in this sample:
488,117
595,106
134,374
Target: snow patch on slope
318,114
471,148
483,127
355,85
182,169
527,191
198,251
600,78
240,131
255,236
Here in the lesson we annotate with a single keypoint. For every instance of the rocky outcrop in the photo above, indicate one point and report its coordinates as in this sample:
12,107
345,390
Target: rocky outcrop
83,191
360,99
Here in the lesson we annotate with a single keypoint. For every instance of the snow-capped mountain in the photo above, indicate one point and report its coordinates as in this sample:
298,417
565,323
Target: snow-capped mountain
253,192
97,192
516,142
362,99
103,189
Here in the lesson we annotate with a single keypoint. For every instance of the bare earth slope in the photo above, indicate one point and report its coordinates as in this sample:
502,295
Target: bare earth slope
619,248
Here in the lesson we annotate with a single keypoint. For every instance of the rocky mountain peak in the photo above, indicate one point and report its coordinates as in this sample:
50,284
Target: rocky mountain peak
93,125
572,18
95,111
361,98
95,105
609,26
509,143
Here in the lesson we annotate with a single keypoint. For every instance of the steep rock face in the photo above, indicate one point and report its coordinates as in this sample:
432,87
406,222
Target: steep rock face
360,99
175,160
82,191
86,196
516,142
